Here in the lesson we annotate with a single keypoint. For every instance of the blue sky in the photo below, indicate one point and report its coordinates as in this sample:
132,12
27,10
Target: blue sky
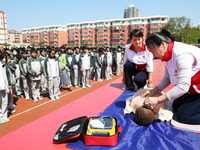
26,13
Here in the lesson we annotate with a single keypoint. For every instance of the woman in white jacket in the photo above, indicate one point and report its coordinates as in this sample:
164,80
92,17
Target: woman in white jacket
182,69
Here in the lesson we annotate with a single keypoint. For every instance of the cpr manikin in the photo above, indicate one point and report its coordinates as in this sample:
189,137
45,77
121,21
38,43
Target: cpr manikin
143,115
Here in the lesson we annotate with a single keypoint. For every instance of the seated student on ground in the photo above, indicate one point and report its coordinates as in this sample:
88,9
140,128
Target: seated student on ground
182,69
143,115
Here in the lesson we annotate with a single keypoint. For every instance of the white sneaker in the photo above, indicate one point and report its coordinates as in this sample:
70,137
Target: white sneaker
13,111
83,86
76,86
53,99
40,98
27,98
57,97
59,93
6,119
70,85
88,86
35,100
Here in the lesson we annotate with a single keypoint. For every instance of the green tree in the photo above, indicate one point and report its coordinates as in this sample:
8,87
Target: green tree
22,45
40,44
33,44
15,41
179,27
193,36
6,44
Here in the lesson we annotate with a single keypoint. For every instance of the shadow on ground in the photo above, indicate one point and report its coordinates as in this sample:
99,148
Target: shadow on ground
117,85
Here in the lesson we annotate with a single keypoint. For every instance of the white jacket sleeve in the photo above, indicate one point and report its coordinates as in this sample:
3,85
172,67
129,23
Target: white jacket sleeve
149,66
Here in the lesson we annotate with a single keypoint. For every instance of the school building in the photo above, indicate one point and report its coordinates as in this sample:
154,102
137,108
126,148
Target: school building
54,35
112,33
3,27
14,36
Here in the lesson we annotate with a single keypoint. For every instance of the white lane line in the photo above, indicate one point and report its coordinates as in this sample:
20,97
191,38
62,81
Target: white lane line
47,102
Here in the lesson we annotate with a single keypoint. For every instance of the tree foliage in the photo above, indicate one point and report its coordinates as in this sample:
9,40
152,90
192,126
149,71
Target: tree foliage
33,44
6,44
182,30
40,44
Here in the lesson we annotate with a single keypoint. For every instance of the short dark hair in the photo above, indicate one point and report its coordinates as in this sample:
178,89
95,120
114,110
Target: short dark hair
33,50
136,33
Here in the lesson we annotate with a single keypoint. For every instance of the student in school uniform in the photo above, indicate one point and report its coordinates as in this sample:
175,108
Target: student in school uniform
64,79
52,73
84,64
43,79
69,65
4,89
24,74
34,68
98,64
76,68
118,60
102,57
11,82
18,89
108,63
122,61
93,54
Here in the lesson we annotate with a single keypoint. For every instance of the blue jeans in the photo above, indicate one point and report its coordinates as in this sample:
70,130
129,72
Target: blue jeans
187,108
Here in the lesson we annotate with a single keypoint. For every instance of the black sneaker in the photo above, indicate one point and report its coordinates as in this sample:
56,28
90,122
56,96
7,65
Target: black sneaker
61,89
69,89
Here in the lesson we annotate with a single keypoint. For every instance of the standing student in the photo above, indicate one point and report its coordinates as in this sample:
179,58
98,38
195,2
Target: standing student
103,61
76,67
4,89
52,73
10,71
108,63
64,79
69,65
42,57
121,63
118,59
84,64
138,62
24,74
34,68
92,72
98,64
182,69
18,88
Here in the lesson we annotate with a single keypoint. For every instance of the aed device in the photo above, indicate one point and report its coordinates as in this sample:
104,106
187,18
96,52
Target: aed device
102,131
101,126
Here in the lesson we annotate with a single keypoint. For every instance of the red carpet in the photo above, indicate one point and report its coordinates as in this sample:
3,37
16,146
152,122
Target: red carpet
39,134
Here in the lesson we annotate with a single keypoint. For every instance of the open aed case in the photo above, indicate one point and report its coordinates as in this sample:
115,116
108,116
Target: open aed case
102,131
